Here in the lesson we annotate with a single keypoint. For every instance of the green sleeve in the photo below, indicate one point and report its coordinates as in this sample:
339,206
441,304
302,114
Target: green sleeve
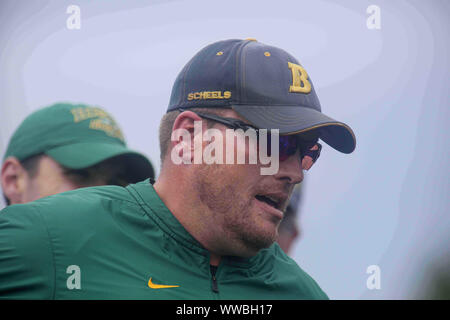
26,260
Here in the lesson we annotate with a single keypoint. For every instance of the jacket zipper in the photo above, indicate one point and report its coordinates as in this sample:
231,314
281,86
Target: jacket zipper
214,286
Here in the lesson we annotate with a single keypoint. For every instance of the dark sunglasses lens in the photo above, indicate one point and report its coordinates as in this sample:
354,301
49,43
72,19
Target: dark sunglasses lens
288,147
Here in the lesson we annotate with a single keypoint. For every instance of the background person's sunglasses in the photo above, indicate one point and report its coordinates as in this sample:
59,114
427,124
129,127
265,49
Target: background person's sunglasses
288,144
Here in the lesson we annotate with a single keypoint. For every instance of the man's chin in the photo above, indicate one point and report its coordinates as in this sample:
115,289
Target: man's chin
260,239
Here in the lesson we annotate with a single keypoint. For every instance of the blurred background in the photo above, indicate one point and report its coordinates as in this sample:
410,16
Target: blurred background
386,204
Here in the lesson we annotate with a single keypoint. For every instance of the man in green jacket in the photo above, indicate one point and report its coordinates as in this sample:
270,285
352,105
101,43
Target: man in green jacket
206,228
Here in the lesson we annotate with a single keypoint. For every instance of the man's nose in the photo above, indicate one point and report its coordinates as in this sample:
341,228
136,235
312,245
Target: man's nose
291,169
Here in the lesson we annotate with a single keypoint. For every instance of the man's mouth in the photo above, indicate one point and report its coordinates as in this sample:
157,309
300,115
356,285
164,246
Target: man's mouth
272,201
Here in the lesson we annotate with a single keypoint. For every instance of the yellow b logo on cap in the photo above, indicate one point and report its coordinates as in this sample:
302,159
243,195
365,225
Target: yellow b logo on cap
299,77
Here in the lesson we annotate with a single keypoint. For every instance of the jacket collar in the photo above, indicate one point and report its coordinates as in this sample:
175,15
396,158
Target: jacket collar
155,208
149,200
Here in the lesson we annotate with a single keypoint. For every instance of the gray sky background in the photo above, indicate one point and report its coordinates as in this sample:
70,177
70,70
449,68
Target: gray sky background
385,204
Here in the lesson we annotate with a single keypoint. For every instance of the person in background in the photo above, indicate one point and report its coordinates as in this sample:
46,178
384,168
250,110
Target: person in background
288,231
64,147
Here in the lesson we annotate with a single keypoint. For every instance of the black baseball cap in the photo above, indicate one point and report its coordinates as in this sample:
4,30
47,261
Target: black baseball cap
264,84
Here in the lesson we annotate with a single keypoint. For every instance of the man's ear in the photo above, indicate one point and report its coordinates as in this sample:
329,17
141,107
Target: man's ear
185,132
14,179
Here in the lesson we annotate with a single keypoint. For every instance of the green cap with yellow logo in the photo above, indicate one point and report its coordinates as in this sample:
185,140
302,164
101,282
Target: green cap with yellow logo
75,136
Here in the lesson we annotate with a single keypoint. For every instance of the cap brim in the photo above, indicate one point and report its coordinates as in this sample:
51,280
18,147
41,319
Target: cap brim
294,120
83,155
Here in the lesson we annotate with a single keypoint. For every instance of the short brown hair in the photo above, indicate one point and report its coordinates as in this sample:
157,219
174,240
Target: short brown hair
166,126
113,171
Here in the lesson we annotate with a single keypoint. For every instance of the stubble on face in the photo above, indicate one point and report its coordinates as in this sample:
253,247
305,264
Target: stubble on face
229,200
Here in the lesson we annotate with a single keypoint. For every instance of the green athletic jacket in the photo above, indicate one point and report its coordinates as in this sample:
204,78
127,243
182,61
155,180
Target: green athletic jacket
123,243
